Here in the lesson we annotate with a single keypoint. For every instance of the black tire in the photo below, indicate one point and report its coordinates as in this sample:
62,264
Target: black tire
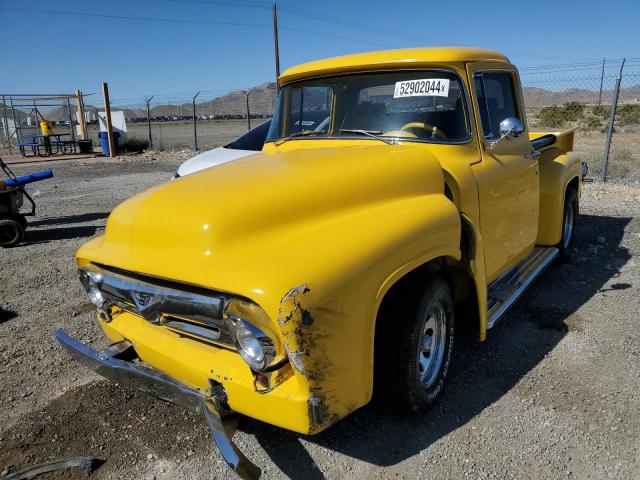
21,219
11,233
409,376
569,217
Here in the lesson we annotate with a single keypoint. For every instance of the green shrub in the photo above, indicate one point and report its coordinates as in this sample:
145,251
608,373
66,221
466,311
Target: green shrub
551,116
629,114
572,111
134,145
591,123
601,111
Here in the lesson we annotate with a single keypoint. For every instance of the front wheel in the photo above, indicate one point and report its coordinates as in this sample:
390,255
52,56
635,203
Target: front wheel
11,233
423,344
569,217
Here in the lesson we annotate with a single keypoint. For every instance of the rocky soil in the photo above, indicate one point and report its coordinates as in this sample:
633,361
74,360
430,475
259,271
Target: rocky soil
553,393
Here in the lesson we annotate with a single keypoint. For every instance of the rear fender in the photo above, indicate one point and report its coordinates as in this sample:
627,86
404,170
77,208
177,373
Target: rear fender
557,169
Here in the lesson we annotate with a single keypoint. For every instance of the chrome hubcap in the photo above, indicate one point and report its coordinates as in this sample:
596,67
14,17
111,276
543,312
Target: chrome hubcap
431,351
568,226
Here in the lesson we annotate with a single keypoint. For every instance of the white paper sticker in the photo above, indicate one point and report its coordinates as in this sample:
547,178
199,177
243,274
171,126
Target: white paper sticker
428,87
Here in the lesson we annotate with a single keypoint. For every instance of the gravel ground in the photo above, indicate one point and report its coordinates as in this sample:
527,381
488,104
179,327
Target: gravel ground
551,394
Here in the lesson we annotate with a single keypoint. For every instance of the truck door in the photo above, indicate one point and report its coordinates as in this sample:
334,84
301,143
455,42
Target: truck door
507,175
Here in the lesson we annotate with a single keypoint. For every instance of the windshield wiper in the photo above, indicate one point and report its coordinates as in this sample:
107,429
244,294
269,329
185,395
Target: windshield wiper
370,133
301,133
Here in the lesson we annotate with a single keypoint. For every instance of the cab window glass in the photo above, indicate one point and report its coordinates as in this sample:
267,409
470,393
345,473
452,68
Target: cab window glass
496,97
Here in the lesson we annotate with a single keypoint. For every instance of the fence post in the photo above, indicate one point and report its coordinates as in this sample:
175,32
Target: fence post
601,80
149,122
6,122
246,97
70,116
614,106
195,131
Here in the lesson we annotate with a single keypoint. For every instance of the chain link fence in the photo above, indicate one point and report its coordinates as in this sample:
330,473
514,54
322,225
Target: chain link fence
557,97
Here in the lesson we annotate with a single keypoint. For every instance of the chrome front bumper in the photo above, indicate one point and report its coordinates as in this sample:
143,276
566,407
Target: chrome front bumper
116,363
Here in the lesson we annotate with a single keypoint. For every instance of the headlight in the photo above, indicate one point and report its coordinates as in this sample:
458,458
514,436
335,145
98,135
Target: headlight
91,283
254,346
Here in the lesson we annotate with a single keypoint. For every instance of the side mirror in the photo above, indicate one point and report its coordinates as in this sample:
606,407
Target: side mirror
510,127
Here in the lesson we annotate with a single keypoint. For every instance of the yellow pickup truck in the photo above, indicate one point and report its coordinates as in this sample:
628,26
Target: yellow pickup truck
399,202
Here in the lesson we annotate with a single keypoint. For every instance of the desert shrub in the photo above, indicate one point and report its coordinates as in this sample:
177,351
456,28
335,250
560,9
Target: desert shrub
591,123
551,116
629,114
555,116
572,111
134,145
601,111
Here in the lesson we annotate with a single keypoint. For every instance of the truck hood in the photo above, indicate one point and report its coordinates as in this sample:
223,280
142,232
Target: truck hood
248,212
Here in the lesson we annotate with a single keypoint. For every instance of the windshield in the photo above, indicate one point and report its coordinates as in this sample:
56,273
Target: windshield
425,105
253,139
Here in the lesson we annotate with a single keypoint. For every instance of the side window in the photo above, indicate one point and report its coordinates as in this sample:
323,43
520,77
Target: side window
496,100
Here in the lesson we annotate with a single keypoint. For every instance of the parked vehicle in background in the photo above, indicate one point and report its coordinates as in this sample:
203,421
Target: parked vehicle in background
399,200
246,144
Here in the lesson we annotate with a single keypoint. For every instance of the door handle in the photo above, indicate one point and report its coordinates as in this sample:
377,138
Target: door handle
534,154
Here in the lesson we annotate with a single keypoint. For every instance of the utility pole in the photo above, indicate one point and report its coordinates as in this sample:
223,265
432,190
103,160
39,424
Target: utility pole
149,122
614,106
107,112
601,81
195,131
275,44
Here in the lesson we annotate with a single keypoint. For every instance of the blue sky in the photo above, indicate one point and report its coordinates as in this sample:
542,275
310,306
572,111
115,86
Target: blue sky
221,45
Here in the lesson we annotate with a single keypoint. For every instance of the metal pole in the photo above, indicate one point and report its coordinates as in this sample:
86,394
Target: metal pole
73,133
614,106
195,130
149,122
6,122
107,111
275,43
246,97
601,80
15,122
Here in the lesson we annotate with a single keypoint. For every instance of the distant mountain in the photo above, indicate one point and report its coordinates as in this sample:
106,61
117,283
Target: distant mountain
535,96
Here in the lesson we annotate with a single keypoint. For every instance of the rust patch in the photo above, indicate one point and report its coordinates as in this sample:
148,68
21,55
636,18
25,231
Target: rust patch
290,303
305,344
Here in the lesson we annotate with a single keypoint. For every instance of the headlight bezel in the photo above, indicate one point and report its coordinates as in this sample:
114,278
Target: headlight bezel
267,345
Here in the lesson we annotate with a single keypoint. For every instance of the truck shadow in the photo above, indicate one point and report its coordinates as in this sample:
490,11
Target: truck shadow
481,373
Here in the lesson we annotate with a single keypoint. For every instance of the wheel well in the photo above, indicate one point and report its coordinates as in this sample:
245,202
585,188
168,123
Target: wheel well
574,183
405,294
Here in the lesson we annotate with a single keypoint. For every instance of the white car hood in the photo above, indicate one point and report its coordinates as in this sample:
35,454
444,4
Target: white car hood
211,158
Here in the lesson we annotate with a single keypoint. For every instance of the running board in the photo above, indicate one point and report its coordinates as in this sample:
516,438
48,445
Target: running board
505,290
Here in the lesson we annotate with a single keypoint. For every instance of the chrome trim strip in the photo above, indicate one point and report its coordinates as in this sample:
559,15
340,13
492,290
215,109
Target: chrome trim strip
518,278
157,384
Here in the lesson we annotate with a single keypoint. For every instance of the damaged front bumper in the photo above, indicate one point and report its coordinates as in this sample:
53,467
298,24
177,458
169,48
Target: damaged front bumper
117,364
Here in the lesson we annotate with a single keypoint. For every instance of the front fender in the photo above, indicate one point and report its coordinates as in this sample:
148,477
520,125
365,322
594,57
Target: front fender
328,327
557,169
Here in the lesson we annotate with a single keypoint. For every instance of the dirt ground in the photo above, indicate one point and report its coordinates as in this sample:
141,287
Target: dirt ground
553,393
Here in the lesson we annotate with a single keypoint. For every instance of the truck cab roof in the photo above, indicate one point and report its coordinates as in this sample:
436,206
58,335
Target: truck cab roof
383,59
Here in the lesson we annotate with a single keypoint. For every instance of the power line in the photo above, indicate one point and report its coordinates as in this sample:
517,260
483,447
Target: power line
310,14
199,22
130,17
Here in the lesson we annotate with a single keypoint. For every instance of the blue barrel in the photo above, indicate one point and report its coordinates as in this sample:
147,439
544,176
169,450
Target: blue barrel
104,141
